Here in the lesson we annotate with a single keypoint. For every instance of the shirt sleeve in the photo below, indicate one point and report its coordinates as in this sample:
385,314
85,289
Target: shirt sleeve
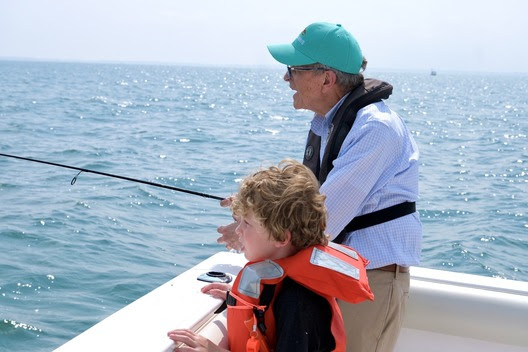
303,320
367,161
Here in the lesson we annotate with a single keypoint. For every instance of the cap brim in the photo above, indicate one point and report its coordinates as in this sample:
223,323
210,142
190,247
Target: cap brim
286,54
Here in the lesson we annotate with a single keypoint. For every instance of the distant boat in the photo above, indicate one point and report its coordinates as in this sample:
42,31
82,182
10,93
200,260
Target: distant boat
433,73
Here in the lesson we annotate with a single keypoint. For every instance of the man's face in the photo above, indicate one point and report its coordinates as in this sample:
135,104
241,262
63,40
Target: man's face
307,83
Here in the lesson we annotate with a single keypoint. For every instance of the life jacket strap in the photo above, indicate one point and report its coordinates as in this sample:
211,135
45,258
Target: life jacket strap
232,299
222,307
377,217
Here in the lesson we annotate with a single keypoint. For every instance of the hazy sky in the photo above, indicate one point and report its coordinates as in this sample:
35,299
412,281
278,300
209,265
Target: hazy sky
468,35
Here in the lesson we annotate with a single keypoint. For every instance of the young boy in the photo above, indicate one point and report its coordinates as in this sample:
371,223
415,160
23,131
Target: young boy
285,297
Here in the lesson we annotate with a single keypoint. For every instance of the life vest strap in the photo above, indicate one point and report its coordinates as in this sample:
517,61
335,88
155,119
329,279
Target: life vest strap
377,217
222,307
232,298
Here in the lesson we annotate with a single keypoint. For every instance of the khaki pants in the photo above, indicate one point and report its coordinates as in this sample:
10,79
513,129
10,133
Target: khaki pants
374,326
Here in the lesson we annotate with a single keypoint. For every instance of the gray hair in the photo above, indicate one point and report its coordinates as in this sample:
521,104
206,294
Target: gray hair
347,81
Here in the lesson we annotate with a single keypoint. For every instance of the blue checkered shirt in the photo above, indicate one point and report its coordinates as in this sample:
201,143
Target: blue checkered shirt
377,167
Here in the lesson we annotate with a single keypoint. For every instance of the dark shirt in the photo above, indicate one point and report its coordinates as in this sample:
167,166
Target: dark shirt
303,320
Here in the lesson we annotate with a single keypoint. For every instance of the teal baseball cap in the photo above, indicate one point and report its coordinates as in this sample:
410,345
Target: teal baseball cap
321,42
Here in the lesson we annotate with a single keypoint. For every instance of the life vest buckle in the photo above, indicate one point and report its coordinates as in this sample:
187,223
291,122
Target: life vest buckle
259,316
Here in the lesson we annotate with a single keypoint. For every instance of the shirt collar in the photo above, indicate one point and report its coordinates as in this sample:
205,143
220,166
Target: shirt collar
320,121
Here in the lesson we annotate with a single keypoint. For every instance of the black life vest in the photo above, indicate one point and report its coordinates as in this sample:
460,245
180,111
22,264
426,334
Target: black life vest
371,91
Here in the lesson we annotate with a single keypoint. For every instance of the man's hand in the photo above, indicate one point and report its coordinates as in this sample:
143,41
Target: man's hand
229,237
226,202
227,232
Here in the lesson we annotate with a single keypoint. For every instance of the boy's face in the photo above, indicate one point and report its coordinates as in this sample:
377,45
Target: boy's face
256,241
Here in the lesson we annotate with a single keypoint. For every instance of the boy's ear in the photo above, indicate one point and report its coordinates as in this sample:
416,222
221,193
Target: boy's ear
287,239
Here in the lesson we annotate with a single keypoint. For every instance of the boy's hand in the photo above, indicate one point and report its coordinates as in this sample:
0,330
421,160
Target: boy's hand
217,290
188,341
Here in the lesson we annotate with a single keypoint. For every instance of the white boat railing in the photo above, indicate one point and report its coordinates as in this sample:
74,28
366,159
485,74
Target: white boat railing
465,312
446,311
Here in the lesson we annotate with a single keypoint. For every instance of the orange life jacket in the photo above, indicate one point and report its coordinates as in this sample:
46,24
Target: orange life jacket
333,271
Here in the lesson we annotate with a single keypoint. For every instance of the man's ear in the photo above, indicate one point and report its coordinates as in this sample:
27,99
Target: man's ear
287,239
330,78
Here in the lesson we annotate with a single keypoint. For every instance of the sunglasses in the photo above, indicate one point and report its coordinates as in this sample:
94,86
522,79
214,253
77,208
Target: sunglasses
291,69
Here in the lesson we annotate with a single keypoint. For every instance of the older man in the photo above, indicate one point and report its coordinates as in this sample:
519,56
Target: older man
367,163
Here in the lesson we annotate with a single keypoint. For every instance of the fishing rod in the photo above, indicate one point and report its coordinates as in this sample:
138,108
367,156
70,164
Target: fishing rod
80,169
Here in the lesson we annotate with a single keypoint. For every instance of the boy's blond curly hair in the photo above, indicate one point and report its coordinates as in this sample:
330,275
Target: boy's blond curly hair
285,198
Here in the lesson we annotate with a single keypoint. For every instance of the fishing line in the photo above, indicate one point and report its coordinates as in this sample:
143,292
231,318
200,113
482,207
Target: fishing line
205,195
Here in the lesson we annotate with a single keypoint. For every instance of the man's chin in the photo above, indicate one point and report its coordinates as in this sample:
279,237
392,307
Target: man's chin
295,100
298,105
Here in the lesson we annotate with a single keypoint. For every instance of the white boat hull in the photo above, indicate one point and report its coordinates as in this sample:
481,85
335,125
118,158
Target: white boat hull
459,312
446,312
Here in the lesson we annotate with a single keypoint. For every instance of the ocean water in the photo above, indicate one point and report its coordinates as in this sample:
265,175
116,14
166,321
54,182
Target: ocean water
71,255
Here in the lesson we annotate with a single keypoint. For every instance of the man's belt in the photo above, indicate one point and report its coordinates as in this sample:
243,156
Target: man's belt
392,268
